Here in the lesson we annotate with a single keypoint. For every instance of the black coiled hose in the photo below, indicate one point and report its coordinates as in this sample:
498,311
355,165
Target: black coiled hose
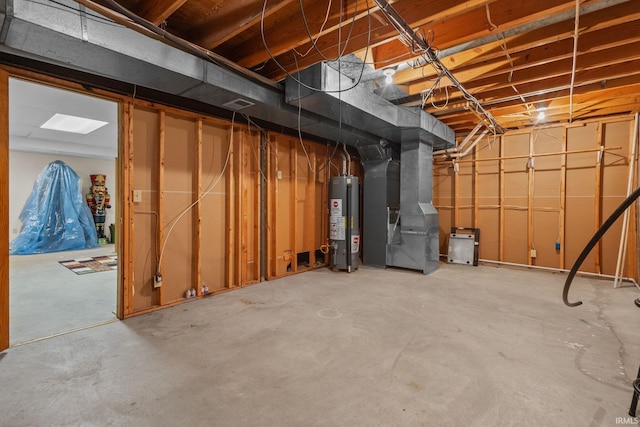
596,237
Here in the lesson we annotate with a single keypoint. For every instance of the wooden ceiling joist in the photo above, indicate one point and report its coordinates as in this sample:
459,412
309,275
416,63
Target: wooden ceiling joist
507,54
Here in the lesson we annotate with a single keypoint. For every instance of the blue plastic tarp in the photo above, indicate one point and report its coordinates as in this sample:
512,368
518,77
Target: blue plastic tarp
55,217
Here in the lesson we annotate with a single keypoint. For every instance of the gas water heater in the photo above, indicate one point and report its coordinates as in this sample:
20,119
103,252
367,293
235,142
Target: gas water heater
344,234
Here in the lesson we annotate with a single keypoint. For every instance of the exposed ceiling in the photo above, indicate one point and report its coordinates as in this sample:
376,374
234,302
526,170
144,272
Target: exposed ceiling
31,104
510,55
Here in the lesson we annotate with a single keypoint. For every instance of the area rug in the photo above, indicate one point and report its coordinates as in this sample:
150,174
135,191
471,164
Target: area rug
92,264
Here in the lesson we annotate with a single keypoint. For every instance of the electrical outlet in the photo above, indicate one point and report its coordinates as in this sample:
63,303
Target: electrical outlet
279,174
533,253
137,196
157,281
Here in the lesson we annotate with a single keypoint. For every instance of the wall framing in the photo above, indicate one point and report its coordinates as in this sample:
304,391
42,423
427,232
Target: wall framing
181,160
536,182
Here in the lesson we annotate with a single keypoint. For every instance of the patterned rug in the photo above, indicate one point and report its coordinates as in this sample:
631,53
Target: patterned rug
92,264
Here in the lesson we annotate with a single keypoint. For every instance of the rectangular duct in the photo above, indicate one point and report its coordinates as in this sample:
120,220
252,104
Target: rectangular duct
381,195
414,241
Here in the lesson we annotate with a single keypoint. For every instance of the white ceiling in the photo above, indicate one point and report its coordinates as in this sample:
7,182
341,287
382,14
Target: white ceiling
31,104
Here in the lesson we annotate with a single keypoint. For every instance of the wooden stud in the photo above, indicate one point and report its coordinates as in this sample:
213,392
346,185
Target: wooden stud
501,221
126,266
632,232
563,197
597,209
229,212
625,231
4,210
476,190
269,207
272,231
456,192
257,222
530,178
197,209
293,212
325,204
241,206
310,206
161,214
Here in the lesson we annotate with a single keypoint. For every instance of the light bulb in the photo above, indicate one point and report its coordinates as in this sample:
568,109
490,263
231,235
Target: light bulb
388,80
541,115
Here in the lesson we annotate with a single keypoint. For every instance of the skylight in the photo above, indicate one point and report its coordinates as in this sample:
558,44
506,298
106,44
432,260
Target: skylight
73,124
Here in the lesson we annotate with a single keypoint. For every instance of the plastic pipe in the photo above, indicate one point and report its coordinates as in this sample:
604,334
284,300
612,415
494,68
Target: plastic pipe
596,237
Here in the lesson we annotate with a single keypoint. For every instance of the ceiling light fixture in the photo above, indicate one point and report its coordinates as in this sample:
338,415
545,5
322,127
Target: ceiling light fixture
388,72
73,124
541,108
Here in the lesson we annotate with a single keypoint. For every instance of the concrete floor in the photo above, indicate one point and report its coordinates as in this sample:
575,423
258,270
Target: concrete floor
464,346
47,298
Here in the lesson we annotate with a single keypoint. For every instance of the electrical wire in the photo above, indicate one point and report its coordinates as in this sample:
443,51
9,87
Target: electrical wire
313,42
215,182
575,55
255,154
406,33
290,75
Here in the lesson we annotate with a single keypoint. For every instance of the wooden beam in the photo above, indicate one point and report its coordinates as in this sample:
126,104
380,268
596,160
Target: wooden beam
125,225
157,11
4,210
588,93
475,24
378,27
610,46
613,63
618,93
212,34
250,53
605,28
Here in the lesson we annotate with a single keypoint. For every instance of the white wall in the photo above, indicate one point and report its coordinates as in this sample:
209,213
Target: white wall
24,169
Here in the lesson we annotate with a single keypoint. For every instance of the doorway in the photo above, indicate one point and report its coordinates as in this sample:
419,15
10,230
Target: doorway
46,297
